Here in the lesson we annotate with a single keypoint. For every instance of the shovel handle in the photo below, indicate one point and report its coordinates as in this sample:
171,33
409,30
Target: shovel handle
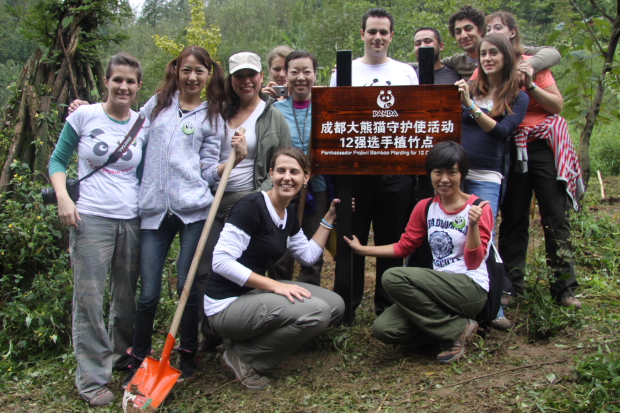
230,163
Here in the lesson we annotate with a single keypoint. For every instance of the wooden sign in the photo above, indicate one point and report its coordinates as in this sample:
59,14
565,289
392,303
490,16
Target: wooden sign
386,130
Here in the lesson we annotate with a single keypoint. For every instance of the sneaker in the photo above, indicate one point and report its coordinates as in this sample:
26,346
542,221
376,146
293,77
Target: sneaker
459,347
501,323
569,302
187,364
133,368
102,397
247,375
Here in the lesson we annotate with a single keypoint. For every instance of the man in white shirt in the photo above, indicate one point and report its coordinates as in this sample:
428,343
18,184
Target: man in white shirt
375,68
385,201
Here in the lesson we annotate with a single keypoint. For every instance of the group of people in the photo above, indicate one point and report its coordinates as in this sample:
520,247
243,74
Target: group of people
274,211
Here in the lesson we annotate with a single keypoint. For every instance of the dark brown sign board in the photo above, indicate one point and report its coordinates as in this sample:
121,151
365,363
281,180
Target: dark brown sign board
386,130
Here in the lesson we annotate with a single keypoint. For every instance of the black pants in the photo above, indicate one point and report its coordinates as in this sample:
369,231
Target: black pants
386,201
553,203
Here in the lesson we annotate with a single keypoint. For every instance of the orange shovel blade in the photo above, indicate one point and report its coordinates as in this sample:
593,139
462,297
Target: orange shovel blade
152,382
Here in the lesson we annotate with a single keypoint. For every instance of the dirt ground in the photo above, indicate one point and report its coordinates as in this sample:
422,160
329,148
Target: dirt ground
347,369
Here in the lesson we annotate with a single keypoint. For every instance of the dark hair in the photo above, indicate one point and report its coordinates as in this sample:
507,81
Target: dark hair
378,12
232,103
124,59
445,155
468,12
300,54
170,84
294,153
509,21
508,90
432,29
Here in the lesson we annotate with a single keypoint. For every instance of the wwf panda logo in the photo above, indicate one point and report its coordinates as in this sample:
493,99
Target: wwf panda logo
441,244
385,100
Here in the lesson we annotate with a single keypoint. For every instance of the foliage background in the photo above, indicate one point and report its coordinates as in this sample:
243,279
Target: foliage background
35,279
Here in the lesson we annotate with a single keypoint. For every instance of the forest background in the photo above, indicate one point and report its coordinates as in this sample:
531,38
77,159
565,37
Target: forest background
35,277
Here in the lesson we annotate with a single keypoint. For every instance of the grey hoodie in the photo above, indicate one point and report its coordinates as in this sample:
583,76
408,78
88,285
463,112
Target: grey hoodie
178,152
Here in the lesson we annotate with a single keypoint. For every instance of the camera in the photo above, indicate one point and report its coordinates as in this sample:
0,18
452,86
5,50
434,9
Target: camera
73,188
281,90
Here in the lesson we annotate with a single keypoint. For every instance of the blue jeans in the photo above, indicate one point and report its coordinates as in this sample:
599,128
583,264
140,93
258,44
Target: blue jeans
487,191
154,249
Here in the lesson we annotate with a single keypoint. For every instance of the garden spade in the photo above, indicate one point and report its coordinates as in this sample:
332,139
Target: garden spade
155,378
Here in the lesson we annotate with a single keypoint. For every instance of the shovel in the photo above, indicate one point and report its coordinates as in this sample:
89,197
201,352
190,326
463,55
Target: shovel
155,378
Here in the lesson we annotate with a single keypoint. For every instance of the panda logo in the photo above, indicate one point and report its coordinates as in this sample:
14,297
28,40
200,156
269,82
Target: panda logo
101,148
385,100
441,244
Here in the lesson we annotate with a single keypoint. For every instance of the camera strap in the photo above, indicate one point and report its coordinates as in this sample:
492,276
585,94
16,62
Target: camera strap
122,148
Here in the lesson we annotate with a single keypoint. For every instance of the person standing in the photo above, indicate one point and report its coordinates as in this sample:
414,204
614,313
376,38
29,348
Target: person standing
385,201
544,163
104,240
301,68
430,37
467,26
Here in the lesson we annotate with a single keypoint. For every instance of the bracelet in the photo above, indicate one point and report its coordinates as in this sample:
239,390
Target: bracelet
471,107
326,224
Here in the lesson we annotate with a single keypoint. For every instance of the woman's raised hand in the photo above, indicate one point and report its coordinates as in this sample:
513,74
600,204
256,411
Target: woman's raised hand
475,213
528,72
270,90
464,91
292,290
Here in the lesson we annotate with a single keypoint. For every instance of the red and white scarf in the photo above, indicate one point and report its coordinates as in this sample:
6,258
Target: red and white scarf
555,130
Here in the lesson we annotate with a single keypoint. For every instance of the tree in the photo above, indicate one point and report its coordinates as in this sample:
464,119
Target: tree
591,44
72,30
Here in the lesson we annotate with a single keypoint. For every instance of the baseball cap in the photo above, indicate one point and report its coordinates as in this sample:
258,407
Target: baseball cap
244,60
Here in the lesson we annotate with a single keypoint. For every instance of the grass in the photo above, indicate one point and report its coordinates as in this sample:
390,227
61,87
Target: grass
553,360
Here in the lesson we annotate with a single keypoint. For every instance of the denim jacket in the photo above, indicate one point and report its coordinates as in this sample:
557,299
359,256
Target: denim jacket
178,150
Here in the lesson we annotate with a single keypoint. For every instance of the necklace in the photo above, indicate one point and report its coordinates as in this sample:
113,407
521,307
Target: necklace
303,132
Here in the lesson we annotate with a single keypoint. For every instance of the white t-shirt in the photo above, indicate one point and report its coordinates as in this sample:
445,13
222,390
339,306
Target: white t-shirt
112,192
392,73
242,175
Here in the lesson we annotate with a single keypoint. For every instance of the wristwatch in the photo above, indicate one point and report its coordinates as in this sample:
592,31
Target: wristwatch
478,113
534,86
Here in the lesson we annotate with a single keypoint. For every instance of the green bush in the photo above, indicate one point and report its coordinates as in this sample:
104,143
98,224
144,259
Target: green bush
35,285
605,149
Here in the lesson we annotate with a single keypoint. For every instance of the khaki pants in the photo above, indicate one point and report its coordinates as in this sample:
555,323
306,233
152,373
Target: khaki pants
266,328
429,304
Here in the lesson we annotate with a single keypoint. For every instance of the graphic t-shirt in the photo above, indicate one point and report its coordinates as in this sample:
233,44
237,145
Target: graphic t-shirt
392,73
447,236
112,192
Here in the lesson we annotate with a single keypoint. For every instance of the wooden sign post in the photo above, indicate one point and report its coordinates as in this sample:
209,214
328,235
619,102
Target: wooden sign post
386,130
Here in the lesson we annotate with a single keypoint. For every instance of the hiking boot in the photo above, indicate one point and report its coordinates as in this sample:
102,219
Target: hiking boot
102,397
459,347
187,364
506,299
133,368
501,323
569,302
247,375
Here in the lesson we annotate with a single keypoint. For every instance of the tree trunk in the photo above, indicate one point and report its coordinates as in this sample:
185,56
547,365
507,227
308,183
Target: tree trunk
595,108
45,84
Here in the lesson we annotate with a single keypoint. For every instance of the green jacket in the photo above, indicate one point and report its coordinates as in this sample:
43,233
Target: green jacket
272,133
